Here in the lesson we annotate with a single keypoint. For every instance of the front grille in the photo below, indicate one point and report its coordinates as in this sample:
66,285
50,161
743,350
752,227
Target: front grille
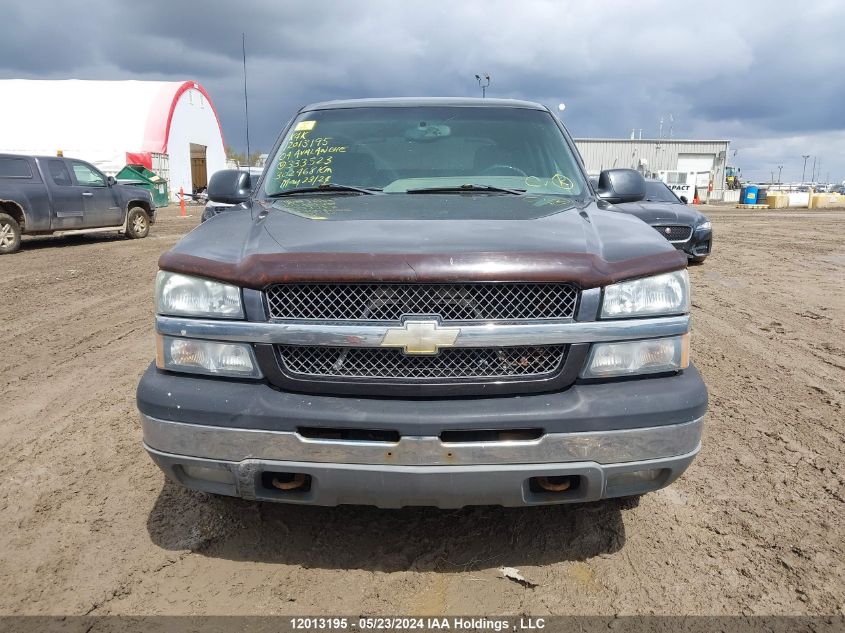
675,233
450,364
452,302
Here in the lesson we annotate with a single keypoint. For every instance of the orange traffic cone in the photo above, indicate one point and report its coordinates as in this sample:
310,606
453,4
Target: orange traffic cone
695,199
184,211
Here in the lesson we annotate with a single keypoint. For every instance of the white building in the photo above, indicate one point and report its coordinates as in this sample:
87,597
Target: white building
652,156
169,127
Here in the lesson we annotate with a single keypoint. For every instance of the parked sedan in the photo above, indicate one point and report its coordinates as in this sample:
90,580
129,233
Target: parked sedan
689,230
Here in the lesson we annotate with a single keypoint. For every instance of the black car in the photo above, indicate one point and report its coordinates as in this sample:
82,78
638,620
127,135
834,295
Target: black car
689,230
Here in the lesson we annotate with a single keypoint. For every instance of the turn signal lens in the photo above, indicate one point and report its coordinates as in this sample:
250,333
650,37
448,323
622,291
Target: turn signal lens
638,357
206,357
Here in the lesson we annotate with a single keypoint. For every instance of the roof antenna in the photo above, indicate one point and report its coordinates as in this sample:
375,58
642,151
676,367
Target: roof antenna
246,101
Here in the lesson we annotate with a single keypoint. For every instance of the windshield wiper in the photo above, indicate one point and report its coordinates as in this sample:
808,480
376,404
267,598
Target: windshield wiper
327,187
468,187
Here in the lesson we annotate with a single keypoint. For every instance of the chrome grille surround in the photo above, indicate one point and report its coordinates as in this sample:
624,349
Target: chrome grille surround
466,302
453,364
674,232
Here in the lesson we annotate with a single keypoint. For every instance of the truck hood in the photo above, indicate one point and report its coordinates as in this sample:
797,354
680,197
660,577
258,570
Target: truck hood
661,212
424,238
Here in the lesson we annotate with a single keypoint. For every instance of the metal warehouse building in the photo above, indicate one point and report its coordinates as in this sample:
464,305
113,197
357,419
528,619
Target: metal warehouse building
654,155
169,127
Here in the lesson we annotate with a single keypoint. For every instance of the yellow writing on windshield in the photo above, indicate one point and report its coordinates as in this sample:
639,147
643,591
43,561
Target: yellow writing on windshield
307,160
558,181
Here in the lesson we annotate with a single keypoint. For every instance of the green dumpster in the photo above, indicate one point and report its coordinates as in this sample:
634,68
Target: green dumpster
140,176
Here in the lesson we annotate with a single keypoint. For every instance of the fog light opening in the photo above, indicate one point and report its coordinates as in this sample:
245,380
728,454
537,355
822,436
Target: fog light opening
204,473
637,481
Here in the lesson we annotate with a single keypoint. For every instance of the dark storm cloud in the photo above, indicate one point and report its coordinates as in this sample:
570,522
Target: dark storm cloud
766,74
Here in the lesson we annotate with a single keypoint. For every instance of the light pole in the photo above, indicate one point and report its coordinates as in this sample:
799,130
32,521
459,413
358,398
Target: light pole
804,172
780,169
483,82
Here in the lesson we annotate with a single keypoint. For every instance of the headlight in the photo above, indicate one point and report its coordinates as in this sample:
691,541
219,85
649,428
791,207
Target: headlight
650,296
206,357
705,226
182,295
650,356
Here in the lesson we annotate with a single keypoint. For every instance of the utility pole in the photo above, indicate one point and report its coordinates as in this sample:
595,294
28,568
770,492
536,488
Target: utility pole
780,169
483,82
772,178
804,171
813,176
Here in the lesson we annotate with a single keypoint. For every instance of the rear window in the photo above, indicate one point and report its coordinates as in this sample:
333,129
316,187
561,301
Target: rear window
656,191
14,168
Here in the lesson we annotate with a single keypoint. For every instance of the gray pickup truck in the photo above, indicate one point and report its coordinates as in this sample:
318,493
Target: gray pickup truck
423,302
51,195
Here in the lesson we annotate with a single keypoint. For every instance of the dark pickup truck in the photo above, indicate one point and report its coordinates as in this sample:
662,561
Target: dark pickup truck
423,302
51,195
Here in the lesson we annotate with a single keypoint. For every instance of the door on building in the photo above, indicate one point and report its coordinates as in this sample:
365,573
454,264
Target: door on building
100,207
199,172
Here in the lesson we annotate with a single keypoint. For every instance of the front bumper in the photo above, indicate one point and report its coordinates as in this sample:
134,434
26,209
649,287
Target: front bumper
387,486
225,437
698,245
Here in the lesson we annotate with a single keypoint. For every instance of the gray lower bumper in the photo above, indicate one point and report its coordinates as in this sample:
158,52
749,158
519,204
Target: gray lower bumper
422,470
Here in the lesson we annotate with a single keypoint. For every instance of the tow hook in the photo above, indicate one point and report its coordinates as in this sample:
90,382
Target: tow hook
291,482
553,484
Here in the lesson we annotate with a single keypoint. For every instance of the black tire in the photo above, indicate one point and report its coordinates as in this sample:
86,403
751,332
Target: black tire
698,260
10,234
137,224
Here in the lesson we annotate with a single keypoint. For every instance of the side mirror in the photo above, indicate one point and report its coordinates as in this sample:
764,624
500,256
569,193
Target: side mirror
229,186
112,182
621,185
684,200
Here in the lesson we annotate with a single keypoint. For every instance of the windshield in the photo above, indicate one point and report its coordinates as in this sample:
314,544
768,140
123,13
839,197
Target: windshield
656,191
402,149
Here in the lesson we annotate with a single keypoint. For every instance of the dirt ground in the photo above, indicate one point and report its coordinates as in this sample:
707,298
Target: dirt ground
88,525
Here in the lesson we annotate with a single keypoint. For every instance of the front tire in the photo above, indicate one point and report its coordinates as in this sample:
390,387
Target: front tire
137,224
10,234
698,260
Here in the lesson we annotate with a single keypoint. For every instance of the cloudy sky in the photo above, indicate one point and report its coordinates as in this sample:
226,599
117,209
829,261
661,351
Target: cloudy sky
768,75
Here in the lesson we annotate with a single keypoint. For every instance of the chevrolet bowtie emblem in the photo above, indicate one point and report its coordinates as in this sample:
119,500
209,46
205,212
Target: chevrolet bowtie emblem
421,337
